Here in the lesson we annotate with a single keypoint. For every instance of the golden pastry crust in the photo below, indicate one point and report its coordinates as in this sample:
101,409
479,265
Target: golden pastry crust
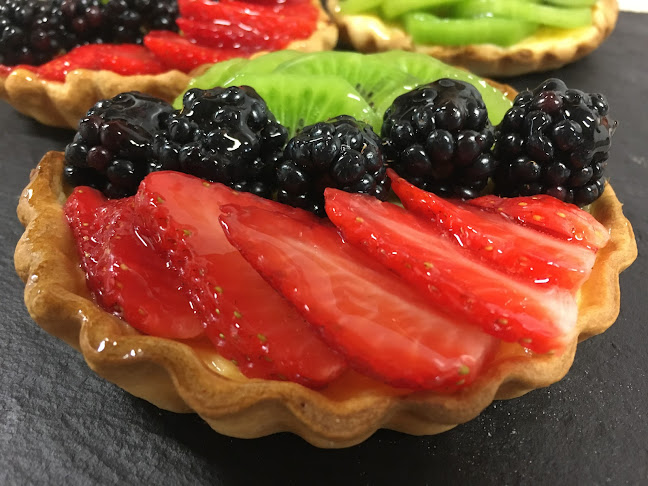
546,50
64,104
182,376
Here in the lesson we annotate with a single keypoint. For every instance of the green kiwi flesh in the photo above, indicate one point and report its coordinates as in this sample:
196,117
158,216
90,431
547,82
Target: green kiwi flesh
223,73
301,100
379,84
213,77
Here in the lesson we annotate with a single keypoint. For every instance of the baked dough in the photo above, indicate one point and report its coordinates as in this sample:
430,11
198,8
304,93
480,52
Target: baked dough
64,104
548,49
187,377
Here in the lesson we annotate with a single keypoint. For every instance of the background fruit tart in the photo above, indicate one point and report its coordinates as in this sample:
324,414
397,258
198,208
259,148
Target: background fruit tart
491,38
329,402
58,58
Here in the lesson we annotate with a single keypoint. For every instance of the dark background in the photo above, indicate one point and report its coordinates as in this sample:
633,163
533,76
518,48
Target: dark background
62,424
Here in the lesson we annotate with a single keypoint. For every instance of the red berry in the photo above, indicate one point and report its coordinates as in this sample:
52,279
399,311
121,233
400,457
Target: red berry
542,319
530,255
233,10
177,52
125,59
125,275
237,25
383,326
247,320
560,219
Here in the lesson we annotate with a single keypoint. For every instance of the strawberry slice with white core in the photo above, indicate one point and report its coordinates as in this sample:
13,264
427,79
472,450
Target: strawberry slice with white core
126,276
532,256
558,218
384,327
247,320
539,318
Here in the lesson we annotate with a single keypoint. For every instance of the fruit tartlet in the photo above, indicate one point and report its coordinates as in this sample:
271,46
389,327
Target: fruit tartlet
490,38
334,264
59,57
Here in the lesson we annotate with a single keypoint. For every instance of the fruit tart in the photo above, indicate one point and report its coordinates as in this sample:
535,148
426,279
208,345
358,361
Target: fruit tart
488,37
59,57
326,254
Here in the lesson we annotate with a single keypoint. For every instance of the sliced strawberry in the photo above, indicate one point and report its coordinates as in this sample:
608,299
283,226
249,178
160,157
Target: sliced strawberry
383,326
234,11
125,59
540,318
234,28
532,256
557,218
245,316
124,274
177,52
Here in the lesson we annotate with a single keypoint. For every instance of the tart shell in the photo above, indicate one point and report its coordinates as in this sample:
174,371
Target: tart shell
178,376
64,104
550,49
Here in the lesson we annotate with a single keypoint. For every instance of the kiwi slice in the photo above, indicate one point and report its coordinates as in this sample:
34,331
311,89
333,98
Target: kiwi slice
572,3
378,83
213,77
429,69
301,100
262,64
352,7
223,73
395,8
426,28
525,11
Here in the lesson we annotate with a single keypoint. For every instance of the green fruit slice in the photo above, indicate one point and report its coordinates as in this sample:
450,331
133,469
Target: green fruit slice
353,7
223,73
429,69
262,64
377,83
395,8
428,29
525,11
301,100
572,3
213,77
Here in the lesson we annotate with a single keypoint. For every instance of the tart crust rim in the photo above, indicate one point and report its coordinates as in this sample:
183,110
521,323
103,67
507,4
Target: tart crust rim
171,375
63,104
483,59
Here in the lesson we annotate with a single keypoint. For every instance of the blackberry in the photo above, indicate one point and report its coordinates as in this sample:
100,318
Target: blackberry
438,137
555,141
343,153
112,149
130,20
225,135
35,31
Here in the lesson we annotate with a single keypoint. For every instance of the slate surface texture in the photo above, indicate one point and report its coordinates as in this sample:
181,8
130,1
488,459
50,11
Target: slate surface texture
61,424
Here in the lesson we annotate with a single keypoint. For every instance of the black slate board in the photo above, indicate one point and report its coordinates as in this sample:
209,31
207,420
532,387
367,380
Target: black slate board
61,424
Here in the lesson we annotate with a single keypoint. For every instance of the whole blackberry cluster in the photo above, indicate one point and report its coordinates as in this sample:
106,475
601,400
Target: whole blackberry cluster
343,153
555,141
112,149
35,31
439,138
225,135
